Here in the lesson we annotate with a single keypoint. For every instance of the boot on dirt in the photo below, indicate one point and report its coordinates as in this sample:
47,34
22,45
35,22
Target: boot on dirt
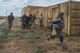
63,46
50,37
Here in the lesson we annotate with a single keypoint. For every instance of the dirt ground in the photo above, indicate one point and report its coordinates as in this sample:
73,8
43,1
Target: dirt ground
34,40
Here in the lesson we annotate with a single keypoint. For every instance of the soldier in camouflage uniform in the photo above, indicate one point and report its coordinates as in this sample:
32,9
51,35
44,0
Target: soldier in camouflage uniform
58,24
10,19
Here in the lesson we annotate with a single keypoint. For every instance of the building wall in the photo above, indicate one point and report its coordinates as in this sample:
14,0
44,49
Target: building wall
75,18
37,11
71,15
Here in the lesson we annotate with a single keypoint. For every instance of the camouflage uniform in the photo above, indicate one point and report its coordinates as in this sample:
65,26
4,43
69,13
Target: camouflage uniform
59,27
10,19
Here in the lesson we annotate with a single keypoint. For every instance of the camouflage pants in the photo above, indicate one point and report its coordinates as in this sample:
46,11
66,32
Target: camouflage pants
9,25
60,35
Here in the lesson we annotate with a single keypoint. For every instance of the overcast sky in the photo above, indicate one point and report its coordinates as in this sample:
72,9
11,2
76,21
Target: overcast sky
15,6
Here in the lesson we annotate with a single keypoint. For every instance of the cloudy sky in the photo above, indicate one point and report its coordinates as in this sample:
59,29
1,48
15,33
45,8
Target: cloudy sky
15,6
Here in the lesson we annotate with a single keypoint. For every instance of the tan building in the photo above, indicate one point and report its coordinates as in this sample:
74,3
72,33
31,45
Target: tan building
71,11
37,10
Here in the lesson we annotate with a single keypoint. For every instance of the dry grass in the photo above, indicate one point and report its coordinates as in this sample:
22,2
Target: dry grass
34,41
2,17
